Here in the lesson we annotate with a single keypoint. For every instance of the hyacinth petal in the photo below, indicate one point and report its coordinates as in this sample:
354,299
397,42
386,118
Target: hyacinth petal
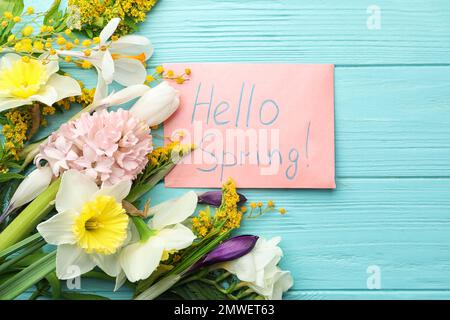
230,249
214,198
109,147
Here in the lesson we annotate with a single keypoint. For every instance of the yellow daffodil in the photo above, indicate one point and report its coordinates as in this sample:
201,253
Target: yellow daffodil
90,228
25,81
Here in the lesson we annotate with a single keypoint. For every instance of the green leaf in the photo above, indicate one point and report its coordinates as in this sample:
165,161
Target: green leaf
26,278
89,33
16,8
194,290
20,245
52,13
21,255
139,189
30,217
82,296
4,177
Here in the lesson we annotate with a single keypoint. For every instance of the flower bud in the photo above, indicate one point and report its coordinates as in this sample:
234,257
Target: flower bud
156,105
32,186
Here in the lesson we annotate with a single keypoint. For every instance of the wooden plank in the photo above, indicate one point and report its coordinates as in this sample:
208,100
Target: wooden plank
326,31
330,238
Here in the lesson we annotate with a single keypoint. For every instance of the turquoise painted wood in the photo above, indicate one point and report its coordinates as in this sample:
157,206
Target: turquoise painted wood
391,207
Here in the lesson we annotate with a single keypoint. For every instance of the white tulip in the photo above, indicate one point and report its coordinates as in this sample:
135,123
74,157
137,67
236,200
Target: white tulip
32,186
259,269
90,227
24,82
123,96
157,104
139,259
121,60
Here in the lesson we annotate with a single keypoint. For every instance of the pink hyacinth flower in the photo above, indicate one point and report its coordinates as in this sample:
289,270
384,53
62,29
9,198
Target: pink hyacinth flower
107,146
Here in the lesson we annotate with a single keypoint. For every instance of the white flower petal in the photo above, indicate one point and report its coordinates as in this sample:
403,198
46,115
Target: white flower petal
120,280
9,103
125,95
108,263
51,67
101,91
48,95
108,30
173,211
8,60
157,104
107,67
72,261
244,268
32,186
65,86
59,229
177,237
132,45
129,72
283,283
119,191
74,191
139,260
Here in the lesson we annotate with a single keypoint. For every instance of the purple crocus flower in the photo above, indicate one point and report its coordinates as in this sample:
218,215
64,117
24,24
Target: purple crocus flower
228,250
214,198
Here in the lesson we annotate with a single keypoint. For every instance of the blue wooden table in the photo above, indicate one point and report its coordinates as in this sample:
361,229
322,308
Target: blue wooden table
390,212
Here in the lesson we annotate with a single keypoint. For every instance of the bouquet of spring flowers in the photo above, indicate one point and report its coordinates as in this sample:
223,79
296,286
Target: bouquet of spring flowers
77,212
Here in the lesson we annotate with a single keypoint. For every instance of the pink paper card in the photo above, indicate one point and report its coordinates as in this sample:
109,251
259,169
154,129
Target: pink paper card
264,125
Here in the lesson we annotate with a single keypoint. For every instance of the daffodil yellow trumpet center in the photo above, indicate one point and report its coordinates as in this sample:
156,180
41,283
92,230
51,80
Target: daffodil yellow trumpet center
140,57
101,226
23,78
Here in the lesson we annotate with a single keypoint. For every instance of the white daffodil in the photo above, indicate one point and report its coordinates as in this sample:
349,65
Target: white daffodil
90,228
121,60
259,269
23,82
165,234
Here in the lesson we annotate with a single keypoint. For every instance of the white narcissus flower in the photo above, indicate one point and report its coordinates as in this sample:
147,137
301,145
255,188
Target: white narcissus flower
90,228
121,60
259,269
157,104
141,258
24,82
32,186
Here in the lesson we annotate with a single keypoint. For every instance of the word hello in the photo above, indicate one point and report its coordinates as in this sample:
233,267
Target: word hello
223,115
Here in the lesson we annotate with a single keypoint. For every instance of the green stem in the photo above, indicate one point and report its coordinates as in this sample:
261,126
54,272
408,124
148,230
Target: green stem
144,231
140,189
30,217
23,280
